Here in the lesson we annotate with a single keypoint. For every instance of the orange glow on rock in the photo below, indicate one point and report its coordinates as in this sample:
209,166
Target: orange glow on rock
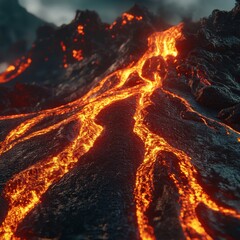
64,49
63,46
10,68
202,78
112,25
126,17
77,54
139,18
80,29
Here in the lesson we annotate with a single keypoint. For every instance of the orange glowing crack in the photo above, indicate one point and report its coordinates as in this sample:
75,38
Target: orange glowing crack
24,191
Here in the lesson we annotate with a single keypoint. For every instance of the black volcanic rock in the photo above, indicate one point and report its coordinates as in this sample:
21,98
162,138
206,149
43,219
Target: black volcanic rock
217,97
211,59
231,116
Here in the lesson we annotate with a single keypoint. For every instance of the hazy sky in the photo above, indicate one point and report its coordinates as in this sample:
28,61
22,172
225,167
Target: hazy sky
63,11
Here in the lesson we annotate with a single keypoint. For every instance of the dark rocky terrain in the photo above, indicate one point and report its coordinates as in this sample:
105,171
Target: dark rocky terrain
95,199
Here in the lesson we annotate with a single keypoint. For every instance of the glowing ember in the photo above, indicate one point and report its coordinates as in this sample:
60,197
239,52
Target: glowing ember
139,18
10,68
202,78
112,25
64,49
80,29
63,46
77,54
24,191
126,17
15,70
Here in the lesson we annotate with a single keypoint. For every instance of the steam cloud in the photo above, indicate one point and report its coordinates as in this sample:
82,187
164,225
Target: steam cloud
63,11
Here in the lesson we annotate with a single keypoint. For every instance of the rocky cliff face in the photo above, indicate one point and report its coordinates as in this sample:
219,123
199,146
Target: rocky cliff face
213,60
123,131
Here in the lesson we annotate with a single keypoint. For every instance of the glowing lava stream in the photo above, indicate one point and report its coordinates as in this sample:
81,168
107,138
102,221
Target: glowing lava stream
14,70
191,194
24,191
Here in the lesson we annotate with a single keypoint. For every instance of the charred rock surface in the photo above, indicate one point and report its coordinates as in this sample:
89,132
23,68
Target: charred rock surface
211,62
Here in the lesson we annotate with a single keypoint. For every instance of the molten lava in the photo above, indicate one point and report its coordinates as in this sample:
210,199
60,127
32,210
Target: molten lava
15,70
64,49
25,190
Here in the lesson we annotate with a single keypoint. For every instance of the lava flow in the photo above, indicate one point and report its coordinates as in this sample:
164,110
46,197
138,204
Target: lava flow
24,191
15,70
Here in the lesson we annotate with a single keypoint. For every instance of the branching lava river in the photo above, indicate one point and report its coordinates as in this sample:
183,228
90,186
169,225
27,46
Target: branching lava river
24,191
